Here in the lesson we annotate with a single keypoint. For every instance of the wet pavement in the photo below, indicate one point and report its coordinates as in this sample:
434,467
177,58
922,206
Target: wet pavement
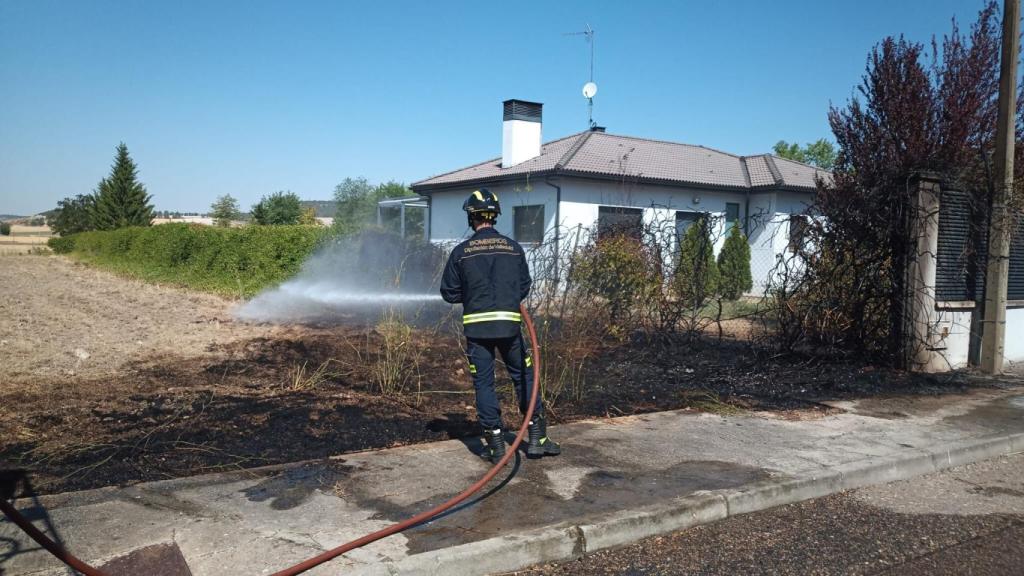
965,520
258,521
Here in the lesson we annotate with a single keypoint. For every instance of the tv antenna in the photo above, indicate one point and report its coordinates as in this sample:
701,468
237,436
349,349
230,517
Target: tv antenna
590,88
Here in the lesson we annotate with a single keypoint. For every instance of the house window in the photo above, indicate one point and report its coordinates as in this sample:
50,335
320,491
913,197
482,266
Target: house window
797,232
683,222
613,221
528,225
732,215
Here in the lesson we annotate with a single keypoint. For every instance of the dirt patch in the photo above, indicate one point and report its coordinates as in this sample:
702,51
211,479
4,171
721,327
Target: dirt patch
109,381
59,319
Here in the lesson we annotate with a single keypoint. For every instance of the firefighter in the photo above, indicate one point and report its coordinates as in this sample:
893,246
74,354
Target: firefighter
488,275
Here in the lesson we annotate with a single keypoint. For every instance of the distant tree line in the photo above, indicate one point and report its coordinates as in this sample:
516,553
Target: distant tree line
120,200
355,201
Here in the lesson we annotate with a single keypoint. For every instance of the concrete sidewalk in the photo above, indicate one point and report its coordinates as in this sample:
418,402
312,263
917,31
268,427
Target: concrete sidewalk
618,480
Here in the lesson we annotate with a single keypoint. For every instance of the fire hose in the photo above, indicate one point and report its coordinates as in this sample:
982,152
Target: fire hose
66,557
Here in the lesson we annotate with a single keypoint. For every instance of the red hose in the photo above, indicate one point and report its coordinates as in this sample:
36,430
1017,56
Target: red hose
422,516
41,539
66,557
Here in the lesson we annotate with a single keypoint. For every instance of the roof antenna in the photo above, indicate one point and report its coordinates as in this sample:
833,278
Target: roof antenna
589,89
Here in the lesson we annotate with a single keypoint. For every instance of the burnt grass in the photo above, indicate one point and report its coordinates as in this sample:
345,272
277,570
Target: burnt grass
171,416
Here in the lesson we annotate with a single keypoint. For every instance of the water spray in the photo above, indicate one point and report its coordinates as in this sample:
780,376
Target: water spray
354,277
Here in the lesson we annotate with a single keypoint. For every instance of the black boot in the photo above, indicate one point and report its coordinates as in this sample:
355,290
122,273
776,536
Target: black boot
494,449
540,444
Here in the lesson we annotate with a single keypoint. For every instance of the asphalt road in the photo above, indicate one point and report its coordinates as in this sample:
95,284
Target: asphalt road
967,520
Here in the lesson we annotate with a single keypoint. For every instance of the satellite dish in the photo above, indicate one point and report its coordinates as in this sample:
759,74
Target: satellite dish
589,89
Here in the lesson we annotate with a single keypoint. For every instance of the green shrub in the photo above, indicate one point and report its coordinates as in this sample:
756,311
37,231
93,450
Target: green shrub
61,244
734,266
235,261
696,277
5,229
619,269
279,208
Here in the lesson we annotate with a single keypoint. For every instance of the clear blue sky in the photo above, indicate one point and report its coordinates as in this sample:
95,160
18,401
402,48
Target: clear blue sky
251,97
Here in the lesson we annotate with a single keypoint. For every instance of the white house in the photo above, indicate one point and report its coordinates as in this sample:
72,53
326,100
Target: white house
594,179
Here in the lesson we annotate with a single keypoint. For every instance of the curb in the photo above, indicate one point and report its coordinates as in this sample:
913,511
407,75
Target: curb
571,541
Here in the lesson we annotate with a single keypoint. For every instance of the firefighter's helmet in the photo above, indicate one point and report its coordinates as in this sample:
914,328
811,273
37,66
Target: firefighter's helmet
482,203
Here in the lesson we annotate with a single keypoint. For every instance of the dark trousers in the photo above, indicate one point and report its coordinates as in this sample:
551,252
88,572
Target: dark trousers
481,352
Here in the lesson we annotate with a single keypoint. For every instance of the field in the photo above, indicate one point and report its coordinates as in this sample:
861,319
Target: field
106,380
25,239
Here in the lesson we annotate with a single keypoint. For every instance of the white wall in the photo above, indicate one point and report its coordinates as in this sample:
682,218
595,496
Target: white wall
1013,348
582,197
520,141
764,227
957,325
952,333
448,221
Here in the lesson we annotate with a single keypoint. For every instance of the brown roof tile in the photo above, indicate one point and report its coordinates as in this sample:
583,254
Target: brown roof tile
797,173
760,172
603,154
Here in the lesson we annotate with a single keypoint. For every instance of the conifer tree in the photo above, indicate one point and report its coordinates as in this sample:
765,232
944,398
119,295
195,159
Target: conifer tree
734,265
696,278
121,200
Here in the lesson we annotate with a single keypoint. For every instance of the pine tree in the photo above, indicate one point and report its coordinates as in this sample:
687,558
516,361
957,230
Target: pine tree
121,200
734,265
696,278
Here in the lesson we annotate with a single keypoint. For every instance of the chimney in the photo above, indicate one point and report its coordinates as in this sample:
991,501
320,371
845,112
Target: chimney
520,132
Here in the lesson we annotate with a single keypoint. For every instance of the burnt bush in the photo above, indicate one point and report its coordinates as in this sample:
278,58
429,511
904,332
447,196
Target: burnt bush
843,288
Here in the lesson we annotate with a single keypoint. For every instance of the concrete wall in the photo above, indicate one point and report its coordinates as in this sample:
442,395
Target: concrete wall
1013,348
768,233
957,323
952,336
940,334
448,221
581,198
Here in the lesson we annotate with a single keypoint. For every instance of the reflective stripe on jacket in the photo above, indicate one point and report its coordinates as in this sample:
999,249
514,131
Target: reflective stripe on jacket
489,276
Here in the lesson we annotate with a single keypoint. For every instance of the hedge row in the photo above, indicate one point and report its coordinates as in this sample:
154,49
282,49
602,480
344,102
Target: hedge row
235,261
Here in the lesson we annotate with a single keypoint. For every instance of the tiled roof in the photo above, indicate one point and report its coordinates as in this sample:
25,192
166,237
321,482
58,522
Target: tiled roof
602,154
760,171
550,154
798,174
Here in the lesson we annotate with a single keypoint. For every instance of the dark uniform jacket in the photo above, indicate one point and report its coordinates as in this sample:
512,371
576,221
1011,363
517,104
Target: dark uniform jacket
488,275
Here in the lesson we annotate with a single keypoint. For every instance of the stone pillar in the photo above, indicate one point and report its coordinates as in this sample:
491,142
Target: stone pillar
923,345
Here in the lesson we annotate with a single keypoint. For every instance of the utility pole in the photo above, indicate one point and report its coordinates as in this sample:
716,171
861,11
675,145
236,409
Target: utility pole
998,266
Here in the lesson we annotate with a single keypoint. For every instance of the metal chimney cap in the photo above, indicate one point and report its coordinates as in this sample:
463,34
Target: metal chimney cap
522,110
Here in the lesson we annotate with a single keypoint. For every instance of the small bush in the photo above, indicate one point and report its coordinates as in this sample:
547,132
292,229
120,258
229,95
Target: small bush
619,269
61,244
388,357
5,229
